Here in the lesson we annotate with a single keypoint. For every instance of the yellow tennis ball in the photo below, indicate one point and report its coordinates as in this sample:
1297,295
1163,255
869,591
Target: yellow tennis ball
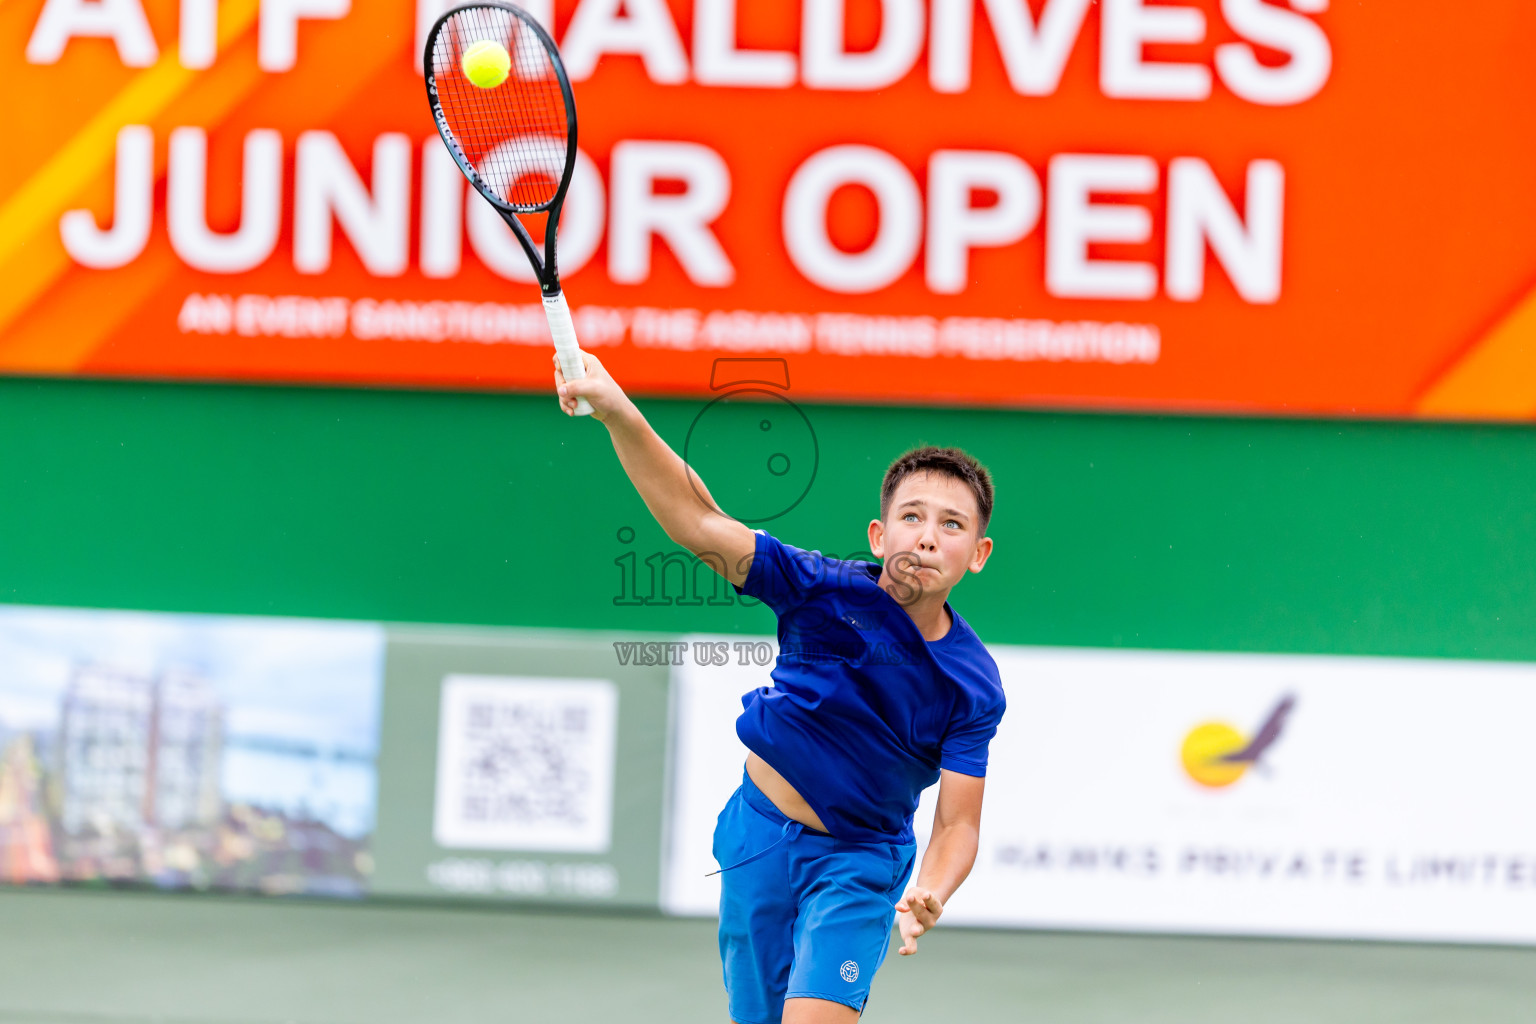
486,63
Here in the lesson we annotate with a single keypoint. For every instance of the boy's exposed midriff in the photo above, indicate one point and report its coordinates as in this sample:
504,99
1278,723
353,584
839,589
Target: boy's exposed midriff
783,796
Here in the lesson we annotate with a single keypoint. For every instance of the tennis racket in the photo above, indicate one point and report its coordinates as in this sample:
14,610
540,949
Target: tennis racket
515,142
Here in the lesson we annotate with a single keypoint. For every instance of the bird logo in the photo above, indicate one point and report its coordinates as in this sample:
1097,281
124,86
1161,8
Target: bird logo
1216,754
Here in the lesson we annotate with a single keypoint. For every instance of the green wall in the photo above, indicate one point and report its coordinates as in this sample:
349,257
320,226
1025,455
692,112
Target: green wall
1136,531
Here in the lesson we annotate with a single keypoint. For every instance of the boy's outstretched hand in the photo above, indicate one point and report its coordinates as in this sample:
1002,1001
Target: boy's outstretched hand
598,388
919,911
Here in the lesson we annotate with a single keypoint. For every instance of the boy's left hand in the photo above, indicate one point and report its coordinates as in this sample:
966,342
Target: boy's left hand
919,911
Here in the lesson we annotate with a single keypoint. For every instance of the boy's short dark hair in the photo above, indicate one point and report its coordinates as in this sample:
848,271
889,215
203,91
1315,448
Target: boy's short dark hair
951,462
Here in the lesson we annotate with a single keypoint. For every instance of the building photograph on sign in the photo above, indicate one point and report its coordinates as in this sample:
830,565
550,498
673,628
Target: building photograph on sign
489,483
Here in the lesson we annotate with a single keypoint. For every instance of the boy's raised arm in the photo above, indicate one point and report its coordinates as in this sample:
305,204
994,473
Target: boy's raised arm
674,493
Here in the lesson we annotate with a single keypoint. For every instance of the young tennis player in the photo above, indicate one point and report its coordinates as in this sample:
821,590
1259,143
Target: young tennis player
880,689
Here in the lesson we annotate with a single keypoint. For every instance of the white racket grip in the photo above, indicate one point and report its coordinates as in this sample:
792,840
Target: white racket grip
563,330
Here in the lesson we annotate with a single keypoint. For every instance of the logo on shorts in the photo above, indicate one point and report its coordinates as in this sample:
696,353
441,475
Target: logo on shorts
849,971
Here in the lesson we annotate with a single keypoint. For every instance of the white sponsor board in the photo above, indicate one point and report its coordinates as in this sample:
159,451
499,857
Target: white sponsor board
707,761
1135,790
525,764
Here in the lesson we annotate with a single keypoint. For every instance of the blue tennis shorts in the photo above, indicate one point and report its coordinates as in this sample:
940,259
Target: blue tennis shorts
801,914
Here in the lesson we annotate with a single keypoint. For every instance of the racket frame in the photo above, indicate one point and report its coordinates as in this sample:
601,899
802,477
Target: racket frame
545,265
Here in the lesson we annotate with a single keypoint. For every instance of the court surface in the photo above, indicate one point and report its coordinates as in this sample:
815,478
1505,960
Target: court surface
95,958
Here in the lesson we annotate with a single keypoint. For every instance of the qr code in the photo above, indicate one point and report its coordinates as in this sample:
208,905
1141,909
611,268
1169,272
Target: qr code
525,764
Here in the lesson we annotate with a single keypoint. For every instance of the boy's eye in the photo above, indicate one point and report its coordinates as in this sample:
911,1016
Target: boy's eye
910,515
951,521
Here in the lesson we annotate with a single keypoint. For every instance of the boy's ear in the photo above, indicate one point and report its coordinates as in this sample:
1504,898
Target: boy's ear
876,538
982,553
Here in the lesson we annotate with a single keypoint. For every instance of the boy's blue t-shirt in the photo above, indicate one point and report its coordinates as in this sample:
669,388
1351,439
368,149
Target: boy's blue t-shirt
863,711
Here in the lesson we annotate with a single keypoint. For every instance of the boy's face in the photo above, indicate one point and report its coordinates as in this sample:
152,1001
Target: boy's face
930,536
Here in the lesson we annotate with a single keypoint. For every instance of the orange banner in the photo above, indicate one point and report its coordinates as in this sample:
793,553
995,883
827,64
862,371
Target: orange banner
1233,205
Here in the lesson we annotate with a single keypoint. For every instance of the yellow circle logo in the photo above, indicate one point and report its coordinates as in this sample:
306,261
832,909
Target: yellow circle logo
1205,754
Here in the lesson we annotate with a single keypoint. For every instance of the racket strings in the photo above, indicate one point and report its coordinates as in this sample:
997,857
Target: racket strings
514,136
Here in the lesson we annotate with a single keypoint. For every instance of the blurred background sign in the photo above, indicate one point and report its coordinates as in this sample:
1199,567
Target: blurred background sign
523,765
1237,794
188,751
1237,206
